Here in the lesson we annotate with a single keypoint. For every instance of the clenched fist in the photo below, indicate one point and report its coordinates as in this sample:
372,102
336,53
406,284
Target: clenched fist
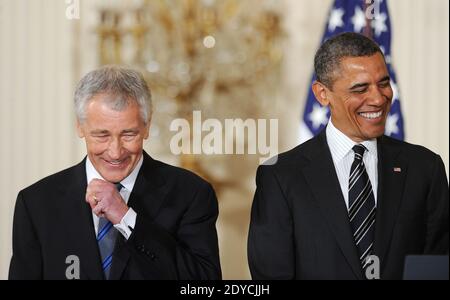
105,200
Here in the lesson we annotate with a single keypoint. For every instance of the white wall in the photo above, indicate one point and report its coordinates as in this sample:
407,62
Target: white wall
421,58
36,83
39,67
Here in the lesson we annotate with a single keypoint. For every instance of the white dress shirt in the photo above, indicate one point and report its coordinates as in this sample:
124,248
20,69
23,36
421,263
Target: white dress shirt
129,220
341,151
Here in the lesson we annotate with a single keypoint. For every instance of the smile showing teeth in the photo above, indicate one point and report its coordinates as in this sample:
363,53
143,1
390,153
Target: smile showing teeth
115,162
371,115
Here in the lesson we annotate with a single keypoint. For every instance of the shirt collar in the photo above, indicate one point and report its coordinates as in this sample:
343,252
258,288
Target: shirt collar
127,183
341,145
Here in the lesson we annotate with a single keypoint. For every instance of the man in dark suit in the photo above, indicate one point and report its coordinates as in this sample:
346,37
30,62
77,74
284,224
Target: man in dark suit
350,203
119,214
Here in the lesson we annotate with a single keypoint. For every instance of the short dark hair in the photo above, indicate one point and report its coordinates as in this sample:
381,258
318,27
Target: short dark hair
348,44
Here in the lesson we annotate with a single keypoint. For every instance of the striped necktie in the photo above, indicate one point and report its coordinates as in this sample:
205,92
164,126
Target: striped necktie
361,206
106,238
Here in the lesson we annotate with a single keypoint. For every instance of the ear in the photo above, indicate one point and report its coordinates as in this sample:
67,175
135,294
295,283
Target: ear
80,129
321,92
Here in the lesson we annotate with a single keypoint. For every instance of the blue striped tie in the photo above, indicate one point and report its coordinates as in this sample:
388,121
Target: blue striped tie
361,206
106,238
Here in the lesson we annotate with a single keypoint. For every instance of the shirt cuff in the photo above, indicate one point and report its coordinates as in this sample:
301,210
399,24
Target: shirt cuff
127,223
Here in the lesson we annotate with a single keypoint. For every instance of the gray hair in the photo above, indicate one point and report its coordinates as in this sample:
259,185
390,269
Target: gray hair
122,84
348,44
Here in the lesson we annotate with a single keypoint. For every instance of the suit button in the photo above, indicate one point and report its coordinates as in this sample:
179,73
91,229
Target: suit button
150,254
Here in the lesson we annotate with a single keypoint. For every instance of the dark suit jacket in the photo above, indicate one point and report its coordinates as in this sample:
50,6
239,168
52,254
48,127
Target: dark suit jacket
174,237
299,224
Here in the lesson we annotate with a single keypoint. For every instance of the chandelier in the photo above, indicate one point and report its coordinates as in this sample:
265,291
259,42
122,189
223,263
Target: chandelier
222,57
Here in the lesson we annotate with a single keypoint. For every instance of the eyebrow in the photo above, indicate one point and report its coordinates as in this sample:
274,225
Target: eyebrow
104,131
358,85
99,131
385,78
132,130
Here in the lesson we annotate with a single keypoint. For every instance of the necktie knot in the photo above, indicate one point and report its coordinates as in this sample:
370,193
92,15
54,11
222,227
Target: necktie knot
119,186
359,151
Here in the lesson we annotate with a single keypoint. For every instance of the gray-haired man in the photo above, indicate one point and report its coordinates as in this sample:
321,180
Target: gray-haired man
118,214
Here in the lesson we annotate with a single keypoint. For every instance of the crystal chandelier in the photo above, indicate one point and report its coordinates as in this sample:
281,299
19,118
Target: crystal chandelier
222,57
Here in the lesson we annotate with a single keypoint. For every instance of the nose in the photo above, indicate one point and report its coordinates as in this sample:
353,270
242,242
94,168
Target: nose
115,148
379,96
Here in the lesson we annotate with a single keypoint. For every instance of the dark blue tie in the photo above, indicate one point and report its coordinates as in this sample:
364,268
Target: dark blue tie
361,206
106,238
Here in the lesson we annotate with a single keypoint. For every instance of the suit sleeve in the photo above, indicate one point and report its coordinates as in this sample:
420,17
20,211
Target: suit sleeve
437,238
26,261
190,254
270,241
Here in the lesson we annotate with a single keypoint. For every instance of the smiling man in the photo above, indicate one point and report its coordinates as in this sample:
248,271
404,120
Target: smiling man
119,214
350,203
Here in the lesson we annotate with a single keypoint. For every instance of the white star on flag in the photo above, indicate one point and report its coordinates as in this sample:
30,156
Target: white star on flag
358,19
395,91
387,58
336,19
318,115
379,24
391,124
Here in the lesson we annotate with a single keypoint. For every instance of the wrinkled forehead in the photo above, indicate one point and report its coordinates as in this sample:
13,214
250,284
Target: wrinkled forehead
373,66
114,101
101,110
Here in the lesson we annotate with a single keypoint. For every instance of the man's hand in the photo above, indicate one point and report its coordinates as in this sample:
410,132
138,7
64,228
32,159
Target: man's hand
105,200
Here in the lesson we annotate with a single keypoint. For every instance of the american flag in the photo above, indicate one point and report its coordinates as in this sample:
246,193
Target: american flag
371,18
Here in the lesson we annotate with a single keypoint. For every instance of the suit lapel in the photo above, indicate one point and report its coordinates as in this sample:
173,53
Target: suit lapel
392,172
321,176
80,226
149,193
150,189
